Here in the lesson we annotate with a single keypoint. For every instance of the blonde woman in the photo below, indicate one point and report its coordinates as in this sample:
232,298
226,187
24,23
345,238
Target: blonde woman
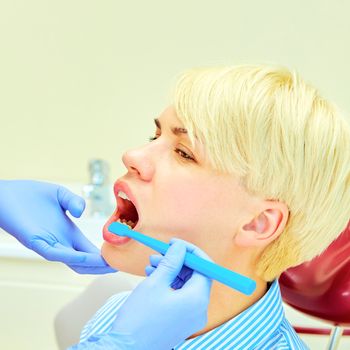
250,164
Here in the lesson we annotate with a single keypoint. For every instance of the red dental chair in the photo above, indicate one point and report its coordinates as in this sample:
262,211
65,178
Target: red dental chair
321,288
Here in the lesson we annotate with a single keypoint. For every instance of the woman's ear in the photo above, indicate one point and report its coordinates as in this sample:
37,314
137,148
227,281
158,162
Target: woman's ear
265,227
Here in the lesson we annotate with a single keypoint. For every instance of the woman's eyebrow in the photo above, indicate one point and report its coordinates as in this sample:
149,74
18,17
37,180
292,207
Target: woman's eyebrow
176,130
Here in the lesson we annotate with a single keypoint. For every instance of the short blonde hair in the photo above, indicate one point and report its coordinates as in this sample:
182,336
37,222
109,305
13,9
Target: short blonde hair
285,142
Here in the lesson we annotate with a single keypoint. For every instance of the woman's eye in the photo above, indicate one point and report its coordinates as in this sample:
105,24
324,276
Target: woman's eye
183,154
179,151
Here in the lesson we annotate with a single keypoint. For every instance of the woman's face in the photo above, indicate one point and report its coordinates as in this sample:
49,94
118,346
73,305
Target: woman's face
176,194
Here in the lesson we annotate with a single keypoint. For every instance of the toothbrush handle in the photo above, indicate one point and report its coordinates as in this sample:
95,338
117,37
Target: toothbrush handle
232,279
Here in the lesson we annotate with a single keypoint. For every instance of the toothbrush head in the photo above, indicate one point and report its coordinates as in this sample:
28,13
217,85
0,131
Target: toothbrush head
119,229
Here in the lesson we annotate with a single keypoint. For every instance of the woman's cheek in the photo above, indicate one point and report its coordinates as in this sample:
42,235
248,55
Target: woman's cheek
132,260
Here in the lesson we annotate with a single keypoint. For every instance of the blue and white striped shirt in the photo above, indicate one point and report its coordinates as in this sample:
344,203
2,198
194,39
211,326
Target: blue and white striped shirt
262,326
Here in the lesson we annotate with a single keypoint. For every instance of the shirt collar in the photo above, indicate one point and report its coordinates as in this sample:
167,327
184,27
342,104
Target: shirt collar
248,329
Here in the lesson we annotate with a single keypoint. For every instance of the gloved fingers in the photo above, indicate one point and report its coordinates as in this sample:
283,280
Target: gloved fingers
67,255
54,252
198,282
82,243
85,270
180,279
70,201
149,270
155,259
184,275
191,248
195,280
170,266
90,260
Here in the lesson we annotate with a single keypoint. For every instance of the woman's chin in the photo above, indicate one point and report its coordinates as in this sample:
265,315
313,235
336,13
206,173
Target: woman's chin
122,260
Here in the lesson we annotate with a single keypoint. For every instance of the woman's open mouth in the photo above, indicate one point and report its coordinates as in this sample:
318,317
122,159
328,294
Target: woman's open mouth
125,213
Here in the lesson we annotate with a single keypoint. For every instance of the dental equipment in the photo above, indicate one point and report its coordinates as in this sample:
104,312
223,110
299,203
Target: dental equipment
230,278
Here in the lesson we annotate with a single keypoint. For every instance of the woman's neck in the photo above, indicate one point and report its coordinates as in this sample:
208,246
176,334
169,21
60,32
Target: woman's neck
226,303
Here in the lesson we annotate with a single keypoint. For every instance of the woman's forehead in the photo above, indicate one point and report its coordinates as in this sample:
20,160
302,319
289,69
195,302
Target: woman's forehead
169,116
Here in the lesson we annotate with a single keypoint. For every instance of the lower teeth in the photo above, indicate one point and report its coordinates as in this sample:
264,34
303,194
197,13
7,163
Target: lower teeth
127,223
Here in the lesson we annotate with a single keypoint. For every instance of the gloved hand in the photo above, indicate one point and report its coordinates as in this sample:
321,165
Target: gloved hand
155,316
158,317
34,213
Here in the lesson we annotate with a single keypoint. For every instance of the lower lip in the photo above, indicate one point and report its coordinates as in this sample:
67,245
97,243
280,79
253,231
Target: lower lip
111,237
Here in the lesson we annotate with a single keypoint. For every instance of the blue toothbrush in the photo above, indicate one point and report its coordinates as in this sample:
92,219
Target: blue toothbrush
232,279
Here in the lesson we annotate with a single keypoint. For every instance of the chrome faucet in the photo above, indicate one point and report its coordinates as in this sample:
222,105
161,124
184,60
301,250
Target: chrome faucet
98,192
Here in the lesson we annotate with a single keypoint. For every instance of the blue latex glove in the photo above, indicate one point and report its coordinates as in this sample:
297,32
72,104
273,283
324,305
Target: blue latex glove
155,316
158,317
34,213
183,276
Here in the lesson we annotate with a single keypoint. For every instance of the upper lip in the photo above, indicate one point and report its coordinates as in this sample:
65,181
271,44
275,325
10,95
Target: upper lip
124,187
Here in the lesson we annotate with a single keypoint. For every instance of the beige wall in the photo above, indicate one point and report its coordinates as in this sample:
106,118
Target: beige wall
82,79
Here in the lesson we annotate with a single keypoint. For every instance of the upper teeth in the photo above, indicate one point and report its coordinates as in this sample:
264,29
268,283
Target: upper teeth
123,195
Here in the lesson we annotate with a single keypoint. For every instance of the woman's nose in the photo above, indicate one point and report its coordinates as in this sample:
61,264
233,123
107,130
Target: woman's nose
139,163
